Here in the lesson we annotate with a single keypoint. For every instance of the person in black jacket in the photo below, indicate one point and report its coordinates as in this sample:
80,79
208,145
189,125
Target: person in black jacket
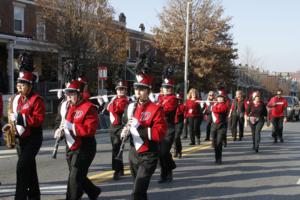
256,116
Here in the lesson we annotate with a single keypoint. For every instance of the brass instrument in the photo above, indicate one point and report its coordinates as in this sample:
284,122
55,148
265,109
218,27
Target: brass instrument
9,129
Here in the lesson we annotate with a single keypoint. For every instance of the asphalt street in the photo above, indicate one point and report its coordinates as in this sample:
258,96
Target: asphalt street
273,173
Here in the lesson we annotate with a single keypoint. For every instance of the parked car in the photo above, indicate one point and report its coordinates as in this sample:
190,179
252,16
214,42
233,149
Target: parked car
293,109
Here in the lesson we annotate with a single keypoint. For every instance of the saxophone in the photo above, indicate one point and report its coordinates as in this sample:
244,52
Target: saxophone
9,129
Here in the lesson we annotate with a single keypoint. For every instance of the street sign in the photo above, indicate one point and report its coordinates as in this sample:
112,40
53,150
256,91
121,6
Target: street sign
102,73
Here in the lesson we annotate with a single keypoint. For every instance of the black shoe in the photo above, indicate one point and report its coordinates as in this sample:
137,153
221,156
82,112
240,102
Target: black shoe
240,139
275,140
116,176
170,176
219,161
192,143
180,155
175,155
281,140
184,137
234,139
256,150
225,144
198,142
207,139
162,180
96,195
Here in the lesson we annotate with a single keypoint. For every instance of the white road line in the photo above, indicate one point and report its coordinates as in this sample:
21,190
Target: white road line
298,182
46,189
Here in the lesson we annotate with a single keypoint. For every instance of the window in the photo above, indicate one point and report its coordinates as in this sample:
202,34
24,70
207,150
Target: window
19,19
40,28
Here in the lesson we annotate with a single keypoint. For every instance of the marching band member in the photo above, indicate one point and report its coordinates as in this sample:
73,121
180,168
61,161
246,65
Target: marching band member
116,109
80,127
169,104
179,123
207,112
28,116
147,125
219,125
278,105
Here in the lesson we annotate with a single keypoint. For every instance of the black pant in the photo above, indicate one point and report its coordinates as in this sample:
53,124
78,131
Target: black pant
194,128
208,126
185,128
166,161
27,178
217,132
79,162
237,120
277,123
142,167
178,132
115,137
256,129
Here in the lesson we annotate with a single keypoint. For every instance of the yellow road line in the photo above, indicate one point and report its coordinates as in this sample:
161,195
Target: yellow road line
108,175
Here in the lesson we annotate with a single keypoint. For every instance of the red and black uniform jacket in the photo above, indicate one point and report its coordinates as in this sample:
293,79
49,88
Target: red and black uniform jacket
219,113
180,113
84,117
192,109
169,104
279,109
30,111
152,128
259,110
116,109
238,106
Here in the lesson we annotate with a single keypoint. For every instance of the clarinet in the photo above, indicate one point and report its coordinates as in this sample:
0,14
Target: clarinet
57,141
122,147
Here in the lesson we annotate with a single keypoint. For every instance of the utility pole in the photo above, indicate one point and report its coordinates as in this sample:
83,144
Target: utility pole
187,30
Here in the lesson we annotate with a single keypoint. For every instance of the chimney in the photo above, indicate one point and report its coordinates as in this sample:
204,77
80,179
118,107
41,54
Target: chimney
122,18
142,27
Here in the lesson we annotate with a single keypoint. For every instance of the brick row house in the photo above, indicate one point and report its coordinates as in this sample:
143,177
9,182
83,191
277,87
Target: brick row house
22,28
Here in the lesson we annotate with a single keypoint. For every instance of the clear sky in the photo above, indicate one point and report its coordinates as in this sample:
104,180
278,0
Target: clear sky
269,29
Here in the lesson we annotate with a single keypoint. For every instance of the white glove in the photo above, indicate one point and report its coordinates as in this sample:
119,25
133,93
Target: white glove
105,98
125,132
59,94
68,125
134,123
13,117
100,101
58,133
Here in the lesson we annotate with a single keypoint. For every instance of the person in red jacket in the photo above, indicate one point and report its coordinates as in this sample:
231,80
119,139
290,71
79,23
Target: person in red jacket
169,103
193,113
116,108
146,124
219,125
28,116
278,106
179,123
80,125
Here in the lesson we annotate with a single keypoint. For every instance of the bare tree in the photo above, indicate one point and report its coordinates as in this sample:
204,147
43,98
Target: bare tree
211,52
